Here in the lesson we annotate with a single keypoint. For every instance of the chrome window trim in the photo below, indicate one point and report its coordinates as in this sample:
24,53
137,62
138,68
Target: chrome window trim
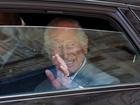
67,93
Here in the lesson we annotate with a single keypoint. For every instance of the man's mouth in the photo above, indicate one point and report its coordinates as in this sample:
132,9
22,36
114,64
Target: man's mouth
70,63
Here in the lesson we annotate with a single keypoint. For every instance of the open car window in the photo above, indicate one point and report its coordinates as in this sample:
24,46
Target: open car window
91,58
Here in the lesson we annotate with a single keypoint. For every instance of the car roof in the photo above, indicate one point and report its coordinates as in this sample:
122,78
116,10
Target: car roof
131,2
100,2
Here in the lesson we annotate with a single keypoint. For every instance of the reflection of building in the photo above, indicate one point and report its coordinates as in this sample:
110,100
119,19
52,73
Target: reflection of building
19,54
112,53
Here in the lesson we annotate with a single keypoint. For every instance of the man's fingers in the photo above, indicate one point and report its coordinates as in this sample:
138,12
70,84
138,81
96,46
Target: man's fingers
62,65
61,61
57,84
54,60
50,75
53,80
64,70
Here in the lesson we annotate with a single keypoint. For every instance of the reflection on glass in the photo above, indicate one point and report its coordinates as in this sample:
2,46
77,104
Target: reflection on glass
53,59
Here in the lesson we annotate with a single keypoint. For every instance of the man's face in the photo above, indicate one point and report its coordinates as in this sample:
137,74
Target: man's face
67,45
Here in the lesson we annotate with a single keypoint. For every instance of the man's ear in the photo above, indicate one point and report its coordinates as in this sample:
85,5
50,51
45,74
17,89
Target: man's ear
85,49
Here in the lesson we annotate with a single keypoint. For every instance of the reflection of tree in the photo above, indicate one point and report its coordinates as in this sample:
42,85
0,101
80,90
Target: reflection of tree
28,41
7,44
19,50
113,53
32,38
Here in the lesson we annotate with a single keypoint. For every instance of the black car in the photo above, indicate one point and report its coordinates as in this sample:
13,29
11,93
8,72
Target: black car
113,36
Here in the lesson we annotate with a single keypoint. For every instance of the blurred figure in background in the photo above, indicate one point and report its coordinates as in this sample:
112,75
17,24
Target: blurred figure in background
10,19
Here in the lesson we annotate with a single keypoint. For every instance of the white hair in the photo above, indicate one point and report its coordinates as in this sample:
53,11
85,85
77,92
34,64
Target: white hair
48,40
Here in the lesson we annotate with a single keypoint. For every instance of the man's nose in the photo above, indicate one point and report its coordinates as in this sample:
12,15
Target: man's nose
65,53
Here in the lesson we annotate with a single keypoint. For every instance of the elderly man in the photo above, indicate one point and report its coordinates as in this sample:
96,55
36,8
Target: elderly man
66,45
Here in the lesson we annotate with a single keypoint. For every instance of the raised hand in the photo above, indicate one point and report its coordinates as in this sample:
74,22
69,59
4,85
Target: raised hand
62,80
60,64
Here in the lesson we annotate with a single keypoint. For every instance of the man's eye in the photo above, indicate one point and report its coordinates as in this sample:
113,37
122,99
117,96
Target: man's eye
72,46
56,47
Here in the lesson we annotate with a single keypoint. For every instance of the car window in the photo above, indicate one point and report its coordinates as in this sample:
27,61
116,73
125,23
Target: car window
133,17
137,24
49,59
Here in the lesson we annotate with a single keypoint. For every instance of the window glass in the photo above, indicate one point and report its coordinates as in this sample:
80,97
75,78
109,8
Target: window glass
137,14
130,15
40,59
